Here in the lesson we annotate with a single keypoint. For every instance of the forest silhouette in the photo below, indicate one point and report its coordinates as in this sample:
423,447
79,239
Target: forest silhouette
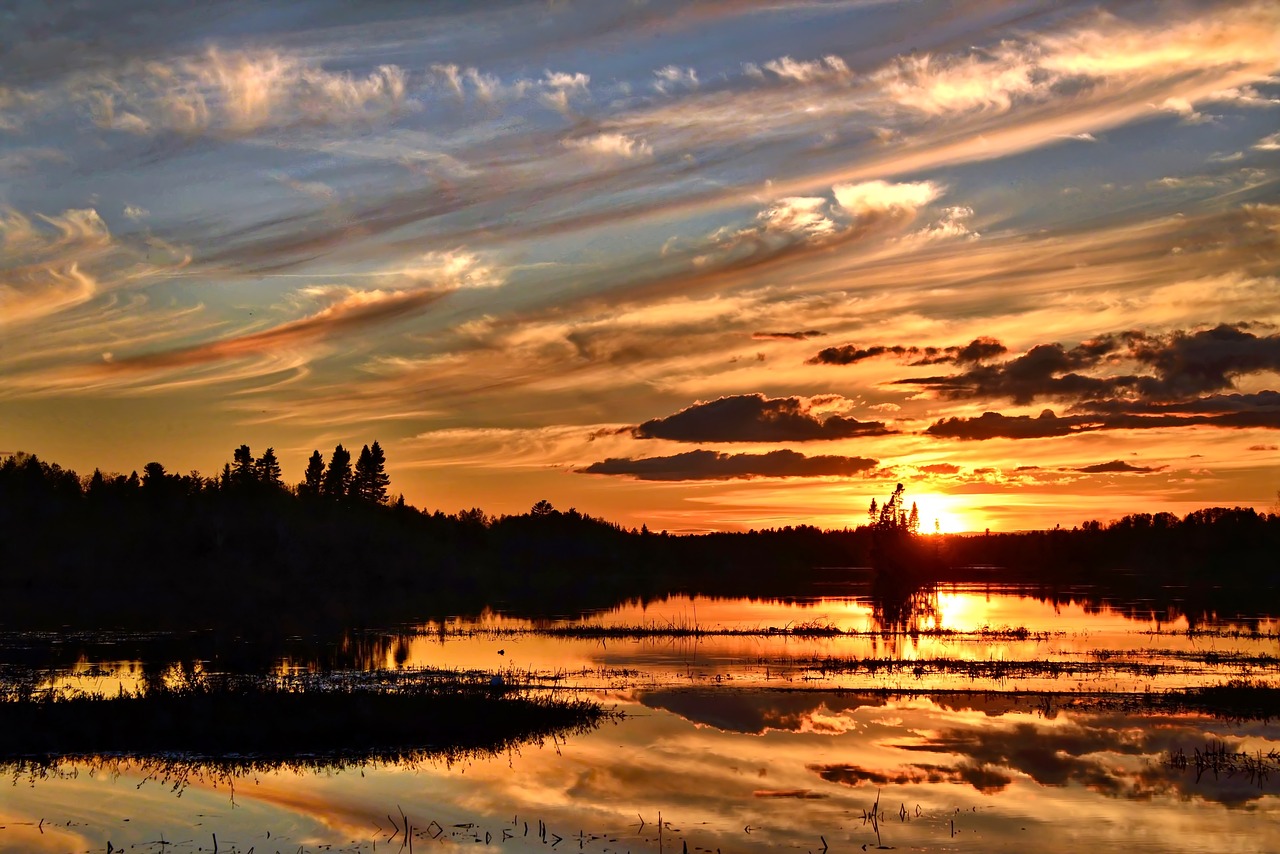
243,550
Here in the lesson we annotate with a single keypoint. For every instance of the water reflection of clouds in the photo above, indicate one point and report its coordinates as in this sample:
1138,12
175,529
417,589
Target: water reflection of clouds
1111,754
791,764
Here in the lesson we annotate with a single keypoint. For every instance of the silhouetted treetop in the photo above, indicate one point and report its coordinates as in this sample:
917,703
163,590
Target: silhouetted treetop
313,477
370,481
267,469
337,478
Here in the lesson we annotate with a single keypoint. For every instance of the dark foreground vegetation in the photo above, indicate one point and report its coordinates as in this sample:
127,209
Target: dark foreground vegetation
409,716
244,551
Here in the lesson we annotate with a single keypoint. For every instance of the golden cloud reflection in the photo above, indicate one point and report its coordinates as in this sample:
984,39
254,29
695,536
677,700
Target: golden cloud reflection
742,771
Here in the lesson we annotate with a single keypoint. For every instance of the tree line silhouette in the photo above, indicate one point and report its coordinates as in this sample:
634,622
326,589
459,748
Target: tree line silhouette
245,548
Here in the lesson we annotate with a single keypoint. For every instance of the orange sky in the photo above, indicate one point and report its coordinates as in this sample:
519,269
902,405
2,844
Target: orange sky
711,266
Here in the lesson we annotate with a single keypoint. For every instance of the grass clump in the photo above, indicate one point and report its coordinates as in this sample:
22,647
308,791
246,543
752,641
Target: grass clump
281,717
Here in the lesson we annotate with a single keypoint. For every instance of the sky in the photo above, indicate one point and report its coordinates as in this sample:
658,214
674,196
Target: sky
699,266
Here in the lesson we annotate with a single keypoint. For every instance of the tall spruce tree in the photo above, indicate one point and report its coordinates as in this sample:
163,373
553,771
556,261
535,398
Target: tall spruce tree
313,477
370,481
267,469
337,478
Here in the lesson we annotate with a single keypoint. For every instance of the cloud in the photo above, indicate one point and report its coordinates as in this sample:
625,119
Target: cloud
829,68
989,79
671,77
1117,467
993,425
1101,54
1268,143
1264,447
871,198
939,468
239,92
13,102
405,291
612,145
712,465
1182,107
350,311
794,228
57,262
951,225
978,350
984,779
787,336
756,418
1243,96
559,86
1180,363
486,88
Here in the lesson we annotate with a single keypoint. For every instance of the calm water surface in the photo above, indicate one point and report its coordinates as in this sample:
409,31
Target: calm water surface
960,716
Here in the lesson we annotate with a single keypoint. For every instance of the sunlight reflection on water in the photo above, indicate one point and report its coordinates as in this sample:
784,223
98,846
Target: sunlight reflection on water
751,726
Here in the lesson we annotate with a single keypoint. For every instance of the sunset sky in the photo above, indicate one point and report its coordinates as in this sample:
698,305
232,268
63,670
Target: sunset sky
707,265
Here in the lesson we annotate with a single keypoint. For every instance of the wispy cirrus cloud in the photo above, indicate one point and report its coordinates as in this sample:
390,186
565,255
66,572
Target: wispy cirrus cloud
237,92
56,262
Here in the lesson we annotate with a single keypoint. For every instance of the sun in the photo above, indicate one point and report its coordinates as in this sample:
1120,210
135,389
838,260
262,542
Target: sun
945,514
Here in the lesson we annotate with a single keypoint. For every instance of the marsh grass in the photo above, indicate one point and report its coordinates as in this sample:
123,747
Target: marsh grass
1220,760
387,716
666,630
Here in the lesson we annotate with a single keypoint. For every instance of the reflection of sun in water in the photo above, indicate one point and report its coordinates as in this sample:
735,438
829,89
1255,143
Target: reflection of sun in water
959,611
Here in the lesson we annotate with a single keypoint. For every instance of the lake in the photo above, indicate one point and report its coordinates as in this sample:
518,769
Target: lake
965,718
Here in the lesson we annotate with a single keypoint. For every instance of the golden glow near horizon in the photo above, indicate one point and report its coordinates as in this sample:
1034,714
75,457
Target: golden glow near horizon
753,271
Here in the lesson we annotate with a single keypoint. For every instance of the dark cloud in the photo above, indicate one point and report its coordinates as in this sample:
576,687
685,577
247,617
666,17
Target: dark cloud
1179,365
1080,754
1261,401
755,712
847,354
1047,370
1264,447
713,465
788,336
982,779
992,425
977,350
756,418
1117,466
800,794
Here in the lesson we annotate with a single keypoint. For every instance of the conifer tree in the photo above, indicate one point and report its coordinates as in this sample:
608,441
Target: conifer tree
245,471
313,477
337,478
378,479
267,469
370,481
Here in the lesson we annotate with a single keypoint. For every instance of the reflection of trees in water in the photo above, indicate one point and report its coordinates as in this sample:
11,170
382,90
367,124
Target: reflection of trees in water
901,609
